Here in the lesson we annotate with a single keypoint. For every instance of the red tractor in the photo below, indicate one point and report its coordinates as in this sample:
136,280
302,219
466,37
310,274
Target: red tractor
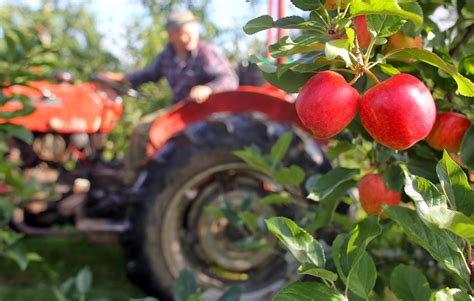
161,219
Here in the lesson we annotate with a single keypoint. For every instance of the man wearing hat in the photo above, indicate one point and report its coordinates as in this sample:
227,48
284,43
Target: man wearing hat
192,68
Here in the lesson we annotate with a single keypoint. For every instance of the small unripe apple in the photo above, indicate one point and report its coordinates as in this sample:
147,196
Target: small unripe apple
373,193
448,131
332,4
398,112
399,40
327,104
362,32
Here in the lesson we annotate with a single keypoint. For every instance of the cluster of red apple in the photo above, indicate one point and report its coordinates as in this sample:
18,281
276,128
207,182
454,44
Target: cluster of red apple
397,113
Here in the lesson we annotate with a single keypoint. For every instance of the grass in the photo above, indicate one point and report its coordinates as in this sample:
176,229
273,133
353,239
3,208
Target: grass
63,258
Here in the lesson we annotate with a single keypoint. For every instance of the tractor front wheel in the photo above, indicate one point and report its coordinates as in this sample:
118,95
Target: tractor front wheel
185,213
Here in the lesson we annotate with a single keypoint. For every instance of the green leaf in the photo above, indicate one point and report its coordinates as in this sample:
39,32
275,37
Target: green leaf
185,287
455,185
450,294
6,211
388,69
338,148
338,48
308,291
274,199
253,158
454,221
19,256
299,242
291,81
258,24
293,175
423,192
84,280
67,286
17,131
394,177
232,294
467,148
306,5
436,241
384,7
311,269
293,22
361,279
348,249
280,148
250,220
381,26
409,284
328,183
465,86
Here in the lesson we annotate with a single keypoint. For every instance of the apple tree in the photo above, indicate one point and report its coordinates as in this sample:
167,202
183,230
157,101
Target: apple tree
388,84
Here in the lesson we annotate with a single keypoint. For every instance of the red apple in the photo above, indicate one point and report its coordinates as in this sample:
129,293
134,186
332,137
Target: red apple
327,104
363,35
373,193
398,112
448,131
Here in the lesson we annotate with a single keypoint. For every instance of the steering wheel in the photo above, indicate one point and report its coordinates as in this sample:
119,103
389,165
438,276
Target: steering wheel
119,88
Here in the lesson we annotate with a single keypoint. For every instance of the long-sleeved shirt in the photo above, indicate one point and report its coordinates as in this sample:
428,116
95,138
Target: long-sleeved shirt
203,66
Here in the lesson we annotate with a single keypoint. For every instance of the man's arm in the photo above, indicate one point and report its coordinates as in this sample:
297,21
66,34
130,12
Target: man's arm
151,73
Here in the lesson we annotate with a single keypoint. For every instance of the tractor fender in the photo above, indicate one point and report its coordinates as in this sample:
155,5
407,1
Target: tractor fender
274,104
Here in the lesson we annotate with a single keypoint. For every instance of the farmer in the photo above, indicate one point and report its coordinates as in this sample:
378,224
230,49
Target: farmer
193,69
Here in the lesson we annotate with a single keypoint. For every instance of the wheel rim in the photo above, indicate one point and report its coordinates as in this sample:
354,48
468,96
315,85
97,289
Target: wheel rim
196,239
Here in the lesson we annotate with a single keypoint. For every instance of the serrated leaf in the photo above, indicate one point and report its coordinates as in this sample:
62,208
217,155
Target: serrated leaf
348,249
465,86
361,279
455,185
293,175
394,177
338,48
299,242
84,280
384,7
328,183
280,148
311,269
306,5
381,26
254,159
467,148
409,284
290,81
258,24
436,241
308,291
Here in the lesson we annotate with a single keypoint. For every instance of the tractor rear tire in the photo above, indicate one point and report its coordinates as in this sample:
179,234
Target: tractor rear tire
170,228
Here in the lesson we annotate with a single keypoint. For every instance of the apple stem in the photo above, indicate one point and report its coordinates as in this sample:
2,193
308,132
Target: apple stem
371,74
356,77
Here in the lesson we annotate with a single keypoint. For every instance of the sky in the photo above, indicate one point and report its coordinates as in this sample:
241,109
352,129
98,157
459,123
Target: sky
113,16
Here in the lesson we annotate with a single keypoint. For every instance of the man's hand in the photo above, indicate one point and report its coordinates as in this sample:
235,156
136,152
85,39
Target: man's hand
200,93
113,77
